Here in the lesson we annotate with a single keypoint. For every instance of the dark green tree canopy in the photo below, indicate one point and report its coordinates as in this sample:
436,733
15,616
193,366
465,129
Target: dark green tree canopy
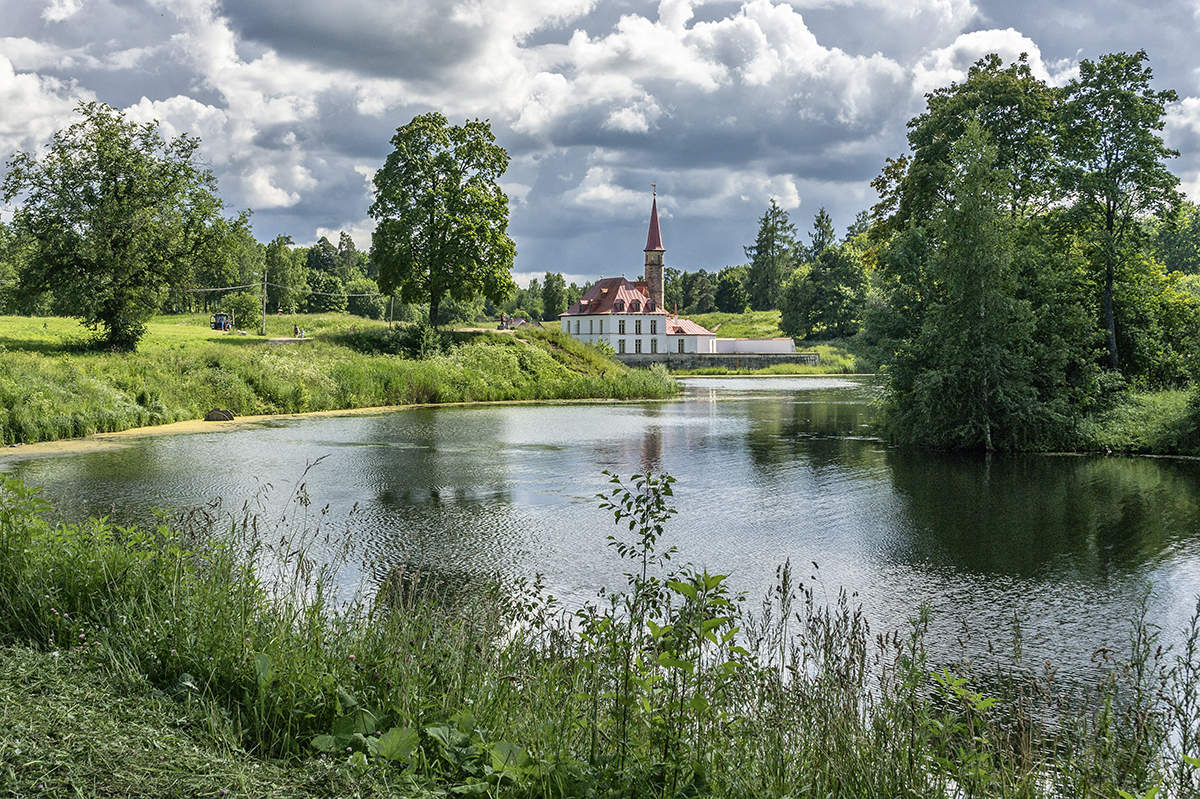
731,296
554,296
115,216
772,258
442,218
1013,106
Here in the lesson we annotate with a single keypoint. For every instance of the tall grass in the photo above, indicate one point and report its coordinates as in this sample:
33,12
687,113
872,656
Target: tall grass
50,391
672,686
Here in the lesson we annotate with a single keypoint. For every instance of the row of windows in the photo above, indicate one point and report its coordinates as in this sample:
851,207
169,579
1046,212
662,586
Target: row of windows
637,327
637,345
634,306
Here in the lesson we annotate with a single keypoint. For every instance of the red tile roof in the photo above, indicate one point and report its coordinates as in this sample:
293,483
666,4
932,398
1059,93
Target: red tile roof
654,238
603,297
677,326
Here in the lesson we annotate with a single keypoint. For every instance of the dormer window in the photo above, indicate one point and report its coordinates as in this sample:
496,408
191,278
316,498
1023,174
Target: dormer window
635,306
619,305
650,305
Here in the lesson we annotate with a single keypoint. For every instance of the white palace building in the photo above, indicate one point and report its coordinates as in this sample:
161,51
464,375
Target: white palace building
629,315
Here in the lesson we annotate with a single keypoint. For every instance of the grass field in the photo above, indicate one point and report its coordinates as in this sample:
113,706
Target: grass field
751,324
53,386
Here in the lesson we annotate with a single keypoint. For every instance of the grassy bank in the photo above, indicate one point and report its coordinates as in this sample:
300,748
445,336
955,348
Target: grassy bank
750,324
52,386
444,683
1158,422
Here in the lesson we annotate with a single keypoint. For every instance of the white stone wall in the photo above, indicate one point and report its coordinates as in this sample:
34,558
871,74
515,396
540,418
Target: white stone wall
751,346
607,328
699,344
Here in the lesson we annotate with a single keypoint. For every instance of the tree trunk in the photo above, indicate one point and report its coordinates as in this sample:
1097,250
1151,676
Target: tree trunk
1110,319
434,302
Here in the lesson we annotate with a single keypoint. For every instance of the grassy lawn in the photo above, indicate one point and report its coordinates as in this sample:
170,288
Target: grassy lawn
53,386
751,324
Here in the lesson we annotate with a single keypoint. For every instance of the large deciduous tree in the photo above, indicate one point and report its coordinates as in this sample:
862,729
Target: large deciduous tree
115,216
1114,158
441,216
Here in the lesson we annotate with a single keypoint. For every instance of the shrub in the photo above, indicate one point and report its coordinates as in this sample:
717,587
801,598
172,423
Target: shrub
372,307
245,307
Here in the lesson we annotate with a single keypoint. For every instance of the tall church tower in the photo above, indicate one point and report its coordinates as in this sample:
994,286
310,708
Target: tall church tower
654,258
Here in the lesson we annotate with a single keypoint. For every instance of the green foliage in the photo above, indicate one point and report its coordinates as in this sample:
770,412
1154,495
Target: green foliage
115,216
1176,239
966,380
1017,111
822,236
826,300
246,308
287,287
420,340
772,258
326,293
731,295
441,215
364,298
1114,163
207,639
322,257
554,296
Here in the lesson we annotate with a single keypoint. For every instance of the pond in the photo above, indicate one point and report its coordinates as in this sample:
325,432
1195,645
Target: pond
768,469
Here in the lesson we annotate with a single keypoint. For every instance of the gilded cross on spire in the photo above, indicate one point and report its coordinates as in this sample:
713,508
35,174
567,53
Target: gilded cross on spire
654,189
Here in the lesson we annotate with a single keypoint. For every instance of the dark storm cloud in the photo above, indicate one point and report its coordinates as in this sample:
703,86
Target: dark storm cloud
410,39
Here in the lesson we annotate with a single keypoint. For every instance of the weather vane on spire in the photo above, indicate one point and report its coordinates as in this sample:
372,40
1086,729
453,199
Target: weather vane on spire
654,189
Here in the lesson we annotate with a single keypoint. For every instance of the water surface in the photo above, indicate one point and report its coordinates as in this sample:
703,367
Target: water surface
768,469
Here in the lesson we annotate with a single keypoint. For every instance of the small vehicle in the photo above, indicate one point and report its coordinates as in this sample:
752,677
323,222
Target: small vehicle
221,321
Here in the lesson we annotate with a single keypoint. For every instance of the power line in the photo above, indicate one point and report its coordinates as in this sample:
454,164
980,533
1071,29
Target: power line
286,288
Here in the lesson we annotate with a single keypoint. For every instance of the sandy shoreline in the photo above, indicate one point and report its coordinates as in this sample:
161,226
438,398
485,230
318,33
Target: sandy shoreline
108,441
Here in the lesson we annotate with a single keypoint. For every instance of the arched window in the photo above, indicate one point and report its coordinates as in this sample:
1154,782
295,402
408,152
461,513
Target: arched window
650,305
619,305
635,306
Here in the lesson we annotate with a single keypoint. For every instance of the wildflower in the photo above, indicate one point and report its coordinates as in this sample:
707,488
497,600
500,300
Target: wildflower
352,657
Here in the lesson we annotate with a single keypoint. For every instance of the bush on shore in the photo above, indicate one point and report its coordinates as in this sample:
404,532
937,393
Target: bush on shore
672,686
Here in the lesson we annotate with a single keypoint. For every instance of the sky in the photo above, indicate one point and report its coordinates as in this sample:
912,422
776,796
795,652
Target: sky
723,105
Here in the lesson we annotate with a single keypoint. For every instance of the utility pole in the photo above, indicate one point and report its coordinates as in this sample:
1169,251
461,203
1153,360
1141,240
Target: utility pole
264,299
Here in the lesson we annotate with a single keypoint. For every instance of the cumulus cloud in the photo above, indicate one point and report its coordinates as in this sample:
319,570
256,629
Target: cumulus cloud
59,10
34,107
724,105
949,64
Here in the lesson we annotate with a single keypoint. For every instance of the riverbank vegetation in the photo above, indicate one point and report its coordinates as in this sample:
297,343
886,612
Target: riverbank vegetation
1029,270
54,385
222,645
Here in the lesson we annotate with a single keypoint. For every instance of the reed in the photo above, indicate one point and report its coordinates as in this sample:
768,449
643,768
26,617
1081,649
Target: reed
673,685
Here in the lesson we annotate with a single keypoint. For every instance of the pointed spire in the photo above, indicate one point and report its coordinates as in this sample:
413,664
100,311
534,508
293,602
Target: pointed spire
654,239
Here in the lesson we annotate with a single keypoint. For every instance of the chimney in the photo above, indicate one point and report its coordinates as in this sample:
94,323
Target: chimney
654,258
